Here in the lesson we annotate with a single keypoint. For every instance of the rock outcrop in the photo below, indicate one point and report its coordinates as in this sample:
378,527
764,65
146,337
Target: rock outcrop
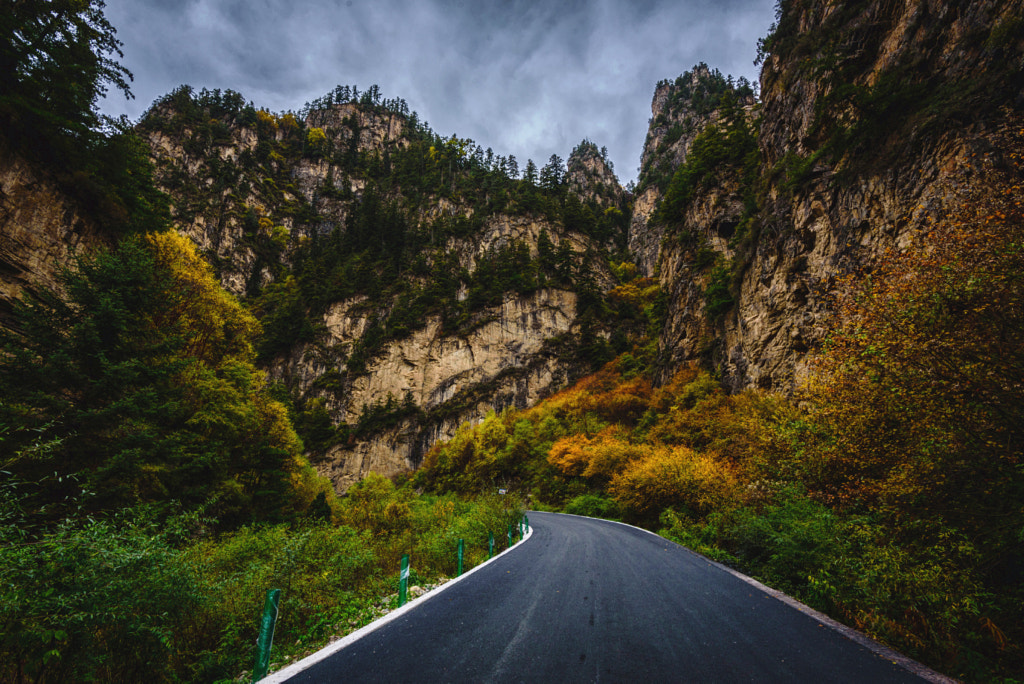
507,360
41,228
680,110
865,118
591,176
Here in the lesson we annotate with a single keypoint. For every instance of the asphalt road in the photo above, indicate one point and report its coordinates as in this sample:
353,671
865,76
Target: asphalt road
590,601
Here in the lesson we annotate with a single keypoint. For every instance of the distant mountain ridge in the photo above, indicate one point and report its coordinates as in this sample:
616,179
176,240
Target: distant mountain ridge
406,282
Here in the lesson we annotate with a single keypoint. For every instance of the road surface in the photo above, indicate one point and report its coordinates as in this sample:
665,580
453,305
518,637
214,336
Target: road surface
586,600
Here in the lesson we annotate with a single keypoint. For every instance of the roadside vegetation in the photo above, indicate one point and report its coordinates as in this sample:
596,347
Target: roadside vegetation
130,595
152,489
152,486
886,492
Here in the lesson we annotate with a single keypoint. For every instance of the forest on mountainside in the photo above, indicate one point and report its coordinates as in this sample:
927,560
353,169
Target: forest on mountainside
152,486
373,208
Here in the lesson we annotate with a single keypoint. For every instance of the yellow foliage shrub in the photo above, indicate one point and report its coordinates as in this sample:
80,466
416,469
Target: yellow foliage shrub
266,119
676,476
639,292
288,121
608,456
316,136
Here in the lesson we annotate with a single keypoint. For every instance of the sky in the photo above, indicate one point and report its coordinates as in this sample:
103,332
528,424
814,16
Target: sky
530,78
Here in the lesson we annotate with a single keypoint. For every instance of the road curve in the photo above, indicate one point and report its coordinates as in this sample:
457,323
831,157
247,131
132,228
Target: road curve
586,600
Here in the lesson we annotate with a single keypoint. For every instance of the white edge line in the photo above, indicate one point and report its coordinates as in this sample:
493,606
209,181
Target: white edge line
330,649
879,649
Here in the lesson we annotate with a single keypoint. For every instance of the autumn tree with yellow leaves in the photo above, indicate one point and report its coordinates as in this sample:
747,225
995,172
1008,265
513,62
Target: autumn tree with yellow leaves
140,387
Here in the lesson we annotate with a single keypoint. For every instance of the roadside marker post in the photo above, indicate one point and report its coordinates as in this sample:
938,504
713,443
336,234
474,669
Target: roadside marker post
490,545
266,638
510,534
462,552
403,581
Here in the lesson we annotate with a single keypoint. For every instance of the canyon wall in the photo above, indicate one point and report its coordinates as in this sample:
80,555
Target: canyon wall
867,114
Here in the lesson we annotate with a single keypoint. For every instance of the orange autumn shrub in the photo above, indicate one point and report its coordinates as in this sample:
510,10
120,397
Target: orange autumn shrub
568,454
601,457
921,391
666,396
625,402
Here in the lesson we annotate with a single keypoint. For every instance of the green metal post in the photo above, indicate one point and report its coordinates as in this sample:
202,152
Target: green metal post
266,638
526,519
510,534
403,581
462,552
490,545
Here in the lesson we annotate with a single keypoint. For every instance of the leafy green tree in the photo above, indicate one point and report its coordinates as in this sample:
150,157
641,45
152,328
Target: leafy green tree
56,61
143,376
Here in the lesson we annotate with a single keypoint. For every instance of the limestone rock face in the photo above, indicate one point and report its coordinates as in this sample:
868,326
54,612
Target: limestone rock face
590,175
214,217
825,210
215,229
680,110
40,230
502,361
375,130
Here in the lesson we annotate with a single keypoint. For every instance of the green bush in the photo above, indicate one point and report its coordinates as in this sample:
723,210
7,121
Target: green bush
717,295
326,575
439,523
92,601
594,506
915,589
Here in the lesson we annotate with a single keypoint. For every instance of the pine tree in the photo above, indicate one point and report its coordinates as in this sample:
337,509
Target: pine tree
143,380
530,175
55,64
553,174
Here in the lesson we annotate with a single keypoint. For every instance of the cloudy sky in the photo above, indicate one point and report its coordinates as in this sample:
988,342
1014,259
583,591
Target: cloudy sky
526,77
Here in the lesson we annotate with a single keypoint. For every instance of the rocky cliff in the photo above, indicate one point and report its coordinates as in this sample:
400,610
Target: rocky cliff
406,282
680,110
590,175
41,228
867,111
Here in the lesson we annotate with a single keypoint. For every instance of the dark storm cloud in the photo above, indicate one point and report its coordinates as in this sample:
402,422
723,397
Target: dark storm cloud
526,77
